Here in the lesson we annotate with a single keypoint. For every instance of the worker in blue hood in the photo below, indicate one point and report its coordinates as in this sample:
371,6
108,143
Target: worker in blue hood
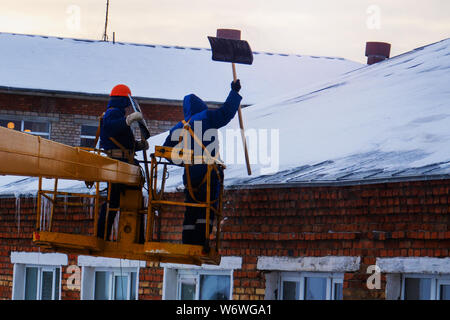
201,119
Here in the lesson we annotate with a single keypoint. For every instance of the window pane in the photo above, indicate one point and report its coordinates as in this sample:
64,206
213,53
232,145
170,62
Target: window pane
214,287
88,130
31,276
290,290
57,283
121,285
338,291
315,288
417,289
187,291
33,126
86,142
47,285
445,292
11,124
101,285
133,286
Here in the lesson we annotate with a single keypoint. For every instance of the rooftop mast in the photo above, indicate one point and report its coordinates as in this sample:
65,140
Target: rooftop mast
105,35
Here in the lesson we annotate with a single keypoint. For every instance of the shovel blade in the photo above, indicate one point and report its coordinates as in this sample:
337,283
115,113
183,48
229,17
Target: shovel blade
229,50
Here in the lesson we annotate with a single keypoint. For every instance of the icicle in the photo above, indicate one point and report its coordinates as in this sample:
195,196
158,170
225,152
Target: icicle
41,215
34,202
116,226
84,204
66,198
17,196
145,196
45,213
91,207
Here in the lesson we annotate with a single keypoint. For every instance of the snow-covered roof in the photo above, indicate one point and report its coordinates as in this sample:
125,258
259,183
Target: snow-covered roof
153,71
388,121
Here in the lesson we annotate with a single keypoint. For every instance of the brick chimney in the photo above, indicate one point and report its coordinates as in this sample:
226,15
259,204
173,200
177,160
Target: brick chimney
377,51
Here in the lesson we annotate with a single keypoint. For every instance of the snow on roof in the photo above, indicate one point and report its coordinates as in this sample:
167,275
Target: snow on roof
153,71
386,121
381,122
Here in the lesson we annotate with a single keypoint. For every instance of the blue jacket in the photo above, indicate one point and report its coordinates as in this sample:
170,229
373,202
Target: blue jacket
195,111
114,125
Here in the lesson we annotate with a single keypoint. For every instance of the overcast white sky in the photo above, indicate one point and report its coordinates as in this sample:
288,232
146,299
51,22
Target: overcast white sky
321,27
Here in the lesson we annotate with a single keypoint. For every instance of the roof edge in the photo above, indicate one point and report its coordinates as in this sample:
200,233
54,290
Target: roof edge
333,183
167,46
97,96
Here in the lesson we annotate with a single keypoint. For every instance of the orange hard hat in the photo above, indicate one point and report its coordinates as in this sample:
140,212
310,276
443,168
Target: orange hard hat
120,90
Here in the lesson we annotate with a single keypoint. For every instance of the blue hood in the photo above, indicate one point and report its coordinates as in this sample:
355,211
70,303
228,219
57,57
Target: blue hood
192,105
119,102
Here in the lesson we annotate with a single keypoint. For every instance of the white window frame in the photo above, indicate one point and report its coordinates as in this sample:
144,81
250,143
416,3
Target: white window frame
87,136
334,281
22,121
111,274
436,281
438,286
193,276
44,261
41,269
300,277
170,290
89,265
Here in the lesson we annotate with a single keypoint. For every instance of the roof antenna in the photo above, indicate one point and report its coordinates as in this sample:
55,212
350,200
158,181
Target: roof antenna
105,36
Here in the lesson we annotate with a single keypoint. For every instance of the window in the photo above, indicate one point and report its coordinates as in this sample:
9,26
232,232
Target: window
425,287
310,286
35,127
37,276
110,283
443,287
109,278
41,283
204,285
87,136
115,285
206,282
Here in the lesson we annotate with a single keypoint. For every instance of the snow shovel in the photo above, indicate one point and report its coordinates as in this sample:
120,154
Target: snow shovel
227,46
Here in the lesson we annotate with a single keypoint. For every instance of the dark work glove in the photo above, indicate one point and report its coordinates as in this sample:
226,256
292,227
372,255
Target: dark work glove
141,145
236,86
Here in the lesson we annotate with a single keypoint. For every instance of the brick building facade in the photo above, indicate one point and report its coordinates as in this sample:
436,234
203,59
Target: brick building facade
66,113
275,241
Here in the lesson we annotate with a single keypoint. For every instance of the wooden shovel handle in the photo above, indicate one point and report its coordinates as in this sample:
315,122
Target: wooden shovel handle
241,124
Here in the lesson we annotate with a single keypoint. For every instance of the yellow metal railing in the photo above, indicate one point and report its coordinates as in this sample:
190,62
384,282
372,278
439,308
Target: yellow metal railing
167,156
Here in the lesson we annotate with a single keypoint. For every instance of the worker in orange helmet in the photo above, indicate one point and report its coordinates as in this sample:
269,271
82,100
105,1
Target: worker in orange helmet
116,136
118,141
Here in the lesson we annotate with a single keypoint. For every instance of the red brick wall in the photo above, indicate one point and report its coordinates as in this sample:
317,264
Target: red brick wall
89,107
370,221
408,219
